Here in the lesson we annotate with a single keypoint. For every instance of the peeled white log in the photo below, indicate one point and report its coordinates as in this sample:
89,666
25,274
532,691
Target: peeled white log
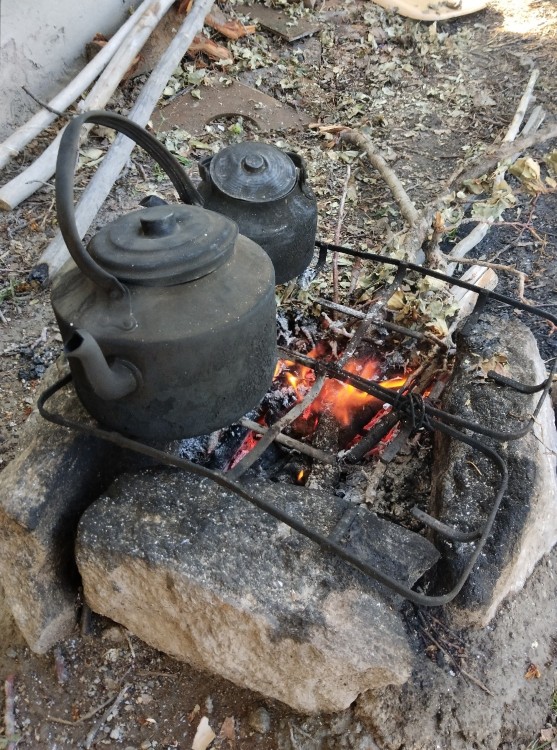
41,170
42,119
93,197
482,277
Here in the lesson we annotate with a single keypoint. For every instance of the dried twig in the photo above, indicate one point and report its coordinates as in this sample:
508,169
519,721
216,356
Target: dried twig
46,106
10,727
337,232
85,717
119,698
363,142
463,672
523,105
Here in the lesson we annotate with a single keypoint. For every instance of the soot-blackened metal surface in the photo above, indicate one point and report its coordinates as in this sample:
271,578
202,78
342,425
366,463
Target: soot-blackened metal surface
273,206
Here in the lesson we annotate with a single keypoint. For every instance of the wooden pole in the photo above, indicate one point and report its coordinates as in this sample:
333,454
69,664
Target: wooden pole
41,170
42,119
93,197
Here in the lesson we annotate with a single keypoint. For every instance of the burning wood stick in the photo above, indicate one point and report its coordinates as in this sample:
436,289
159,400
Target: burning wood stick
290,442
56,253
42,119
42,169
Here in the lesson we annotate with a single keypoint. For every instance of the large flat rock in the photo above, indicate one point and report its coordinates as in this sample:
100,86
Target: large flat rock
202,575
43,492
525,527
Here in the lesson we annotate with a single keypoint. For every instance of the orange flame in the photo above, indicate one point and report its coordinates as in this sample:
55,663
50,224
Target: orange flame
342,400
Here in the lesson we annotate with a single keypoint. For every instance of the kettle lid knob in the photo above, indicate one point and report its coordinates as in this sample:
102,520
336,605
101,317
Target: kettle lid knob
253,163
162,225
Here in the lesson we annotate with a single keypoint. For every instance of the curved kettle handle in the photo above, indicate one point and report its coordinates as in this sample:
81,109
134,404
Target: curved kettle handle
65,173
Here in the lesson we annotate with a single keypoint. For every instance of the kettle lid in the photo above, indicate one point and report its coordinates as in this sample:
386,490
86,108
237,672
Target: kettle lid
252,171
164,245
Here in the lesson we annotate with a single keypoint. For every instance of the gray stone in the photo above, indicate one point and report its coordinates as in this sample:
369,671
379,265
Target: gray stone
260,720
525,527
202,575
44,490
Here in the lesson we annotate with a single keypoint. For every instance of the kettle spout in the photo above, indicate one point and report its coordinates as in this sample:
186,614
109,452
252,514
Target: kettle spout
110,382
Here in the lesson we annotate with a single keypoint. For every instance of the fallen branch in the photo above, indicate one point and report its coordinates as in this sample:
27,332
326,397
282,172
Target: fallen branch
363,142
56,253
41,170
486,162
480,230
42,119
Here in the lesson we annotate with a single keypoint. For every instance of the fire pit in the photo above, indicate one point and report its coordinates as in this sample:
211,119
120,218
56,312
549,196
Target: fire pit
398,411
186,564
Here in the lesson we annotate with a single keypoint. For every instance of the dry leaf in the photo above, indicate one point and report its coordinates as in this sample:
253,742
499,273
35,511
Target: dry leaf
548,734
498,363
215,51
192,714
90,157
551,161
327,128
397,301
230,29
204,735
533,672
528,172
227,732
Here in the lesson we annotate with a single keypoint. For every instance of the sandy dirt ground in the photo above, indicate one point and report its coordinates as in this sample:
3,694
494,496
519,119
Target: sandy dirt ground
431,97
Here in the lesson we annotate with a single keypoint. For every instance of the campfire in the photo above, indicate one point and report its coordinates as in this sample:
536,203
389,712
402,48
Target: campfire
344,409
344,403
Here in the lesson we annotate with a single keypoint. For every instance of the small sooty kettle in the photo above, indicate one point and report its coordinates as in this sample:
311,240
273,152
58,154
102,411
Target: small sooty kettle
265,191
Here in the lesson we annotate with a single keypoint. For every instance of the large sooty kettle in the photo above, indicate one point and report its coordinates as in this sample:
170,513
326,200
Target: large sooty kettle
168,320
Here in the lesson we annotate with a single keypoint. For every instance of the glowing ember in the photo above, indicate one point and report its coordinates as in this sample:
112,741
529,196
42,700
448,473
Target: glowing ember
248,444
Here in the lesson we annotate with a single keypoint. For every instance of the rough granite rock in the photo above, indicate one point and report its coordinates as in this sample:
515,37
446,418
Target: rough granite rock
525,528
204,576
43,492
